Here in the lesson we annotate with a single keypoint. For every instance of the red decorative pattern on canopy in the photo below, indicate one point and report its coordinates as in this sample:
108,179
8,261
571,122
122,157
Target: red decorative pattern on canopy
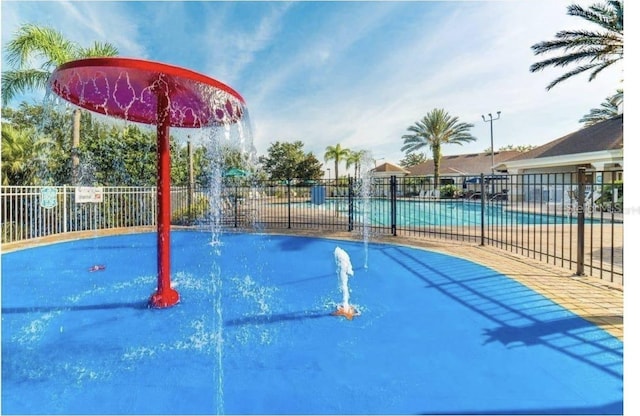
128,88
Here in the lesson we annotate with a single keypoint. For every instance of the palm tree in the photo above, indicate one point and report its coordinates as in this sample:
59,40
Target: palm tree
589,50
33,43
434,130
413,159
337,154
608,109
20,148
355,158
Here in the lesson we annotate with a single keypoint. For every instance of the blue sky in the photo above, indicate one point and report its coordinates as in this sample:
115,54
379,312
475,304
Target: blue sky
354,73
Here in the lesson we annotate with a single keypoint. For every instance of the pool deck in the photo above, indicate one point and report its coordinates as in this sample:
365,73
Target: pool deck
598,301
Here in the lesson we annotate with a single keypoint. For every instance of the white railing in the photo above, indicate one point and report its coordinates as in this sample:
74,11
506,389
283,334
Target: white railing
35,211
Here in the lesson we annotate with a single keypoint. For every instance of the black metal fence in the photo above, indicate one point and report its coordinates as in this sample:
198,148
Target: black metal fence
570,219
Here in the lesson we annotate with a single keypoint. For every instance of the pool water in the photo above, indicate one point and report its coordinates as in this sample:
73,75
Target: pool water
441,213
254,334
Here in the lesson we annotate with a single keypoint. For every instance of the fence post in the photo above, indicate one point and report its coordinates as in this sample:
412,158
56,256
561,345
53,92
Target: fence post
482,203
64,208
581,207
235,206
393,193
191,215
288,203
350,195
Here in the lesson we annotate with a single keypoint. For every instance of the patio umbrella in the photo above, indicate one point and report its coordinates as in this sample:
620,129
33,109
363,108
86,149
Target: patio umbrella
235,173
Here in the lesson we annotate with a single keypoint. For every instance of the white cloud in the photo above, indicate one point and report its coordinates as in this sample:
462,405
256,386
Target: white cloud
475,62
356,73
231,49
81,22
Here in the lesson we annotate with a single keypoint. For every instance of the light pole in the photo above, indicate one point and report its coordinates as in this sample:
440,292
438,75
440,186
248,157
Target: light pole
490,120
329,173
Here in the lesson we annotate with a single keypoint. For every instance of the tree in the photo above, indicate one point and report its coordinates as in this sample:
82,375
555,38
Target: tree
585,50
336,153
116,156
48,122
310,168
20,150
413,159
233,157
519,148
33,43
286,161
112,154
435,129
608,109
47,128
355,159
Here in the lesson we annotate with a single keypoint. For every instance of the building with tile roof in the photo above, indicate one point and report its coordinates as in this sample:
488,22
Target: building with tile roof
387,169
546,172
597,148
463,165
549,172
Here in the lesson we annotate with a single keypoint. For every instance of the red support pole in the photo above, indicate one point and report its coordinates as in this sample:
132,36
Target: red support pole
192,110
165,296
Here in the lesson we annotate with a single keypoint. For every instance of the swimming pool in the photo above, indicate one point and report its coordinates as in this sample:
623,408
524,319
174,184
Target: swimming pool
440,213
254,333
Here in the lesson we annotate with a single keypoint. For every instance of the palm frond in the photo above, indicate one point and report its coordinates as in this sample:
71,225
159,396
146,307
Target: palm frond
608,109
34,53
590,50
435,129
18,82
608,16
562,61
618,97
33,41
596,66
567,41
98,49
568,75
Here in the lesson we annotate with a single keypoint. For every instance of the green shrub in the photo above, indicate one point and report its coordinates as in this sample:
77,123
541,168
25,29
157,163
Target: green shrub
188,215
605,202
449,191
12,232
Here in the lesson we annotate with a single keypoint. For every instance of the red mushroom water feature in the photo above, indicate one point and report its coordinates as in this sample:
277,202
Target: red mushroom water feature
151,93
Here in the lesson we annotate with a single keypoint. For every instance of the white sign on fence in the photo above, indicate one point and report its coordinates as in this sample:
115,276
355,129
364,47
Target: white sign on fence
89,194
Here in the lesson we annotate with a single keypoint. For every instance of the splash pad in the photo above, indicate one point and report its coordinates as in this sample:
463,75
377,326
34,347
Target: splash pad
151,93
438,334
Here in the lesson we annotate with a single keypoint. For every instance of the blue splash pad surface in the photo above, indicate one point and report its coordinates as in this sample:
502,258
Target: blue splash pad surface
254,333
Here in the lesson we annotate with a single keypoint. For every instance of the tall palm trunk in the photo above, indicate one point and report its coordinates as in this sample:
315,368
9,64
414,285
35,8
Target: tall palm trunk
436,166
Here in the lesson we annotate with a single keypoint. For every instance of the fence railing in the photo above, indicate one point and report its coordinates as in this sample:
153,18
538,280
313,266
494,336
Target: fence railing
570,219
